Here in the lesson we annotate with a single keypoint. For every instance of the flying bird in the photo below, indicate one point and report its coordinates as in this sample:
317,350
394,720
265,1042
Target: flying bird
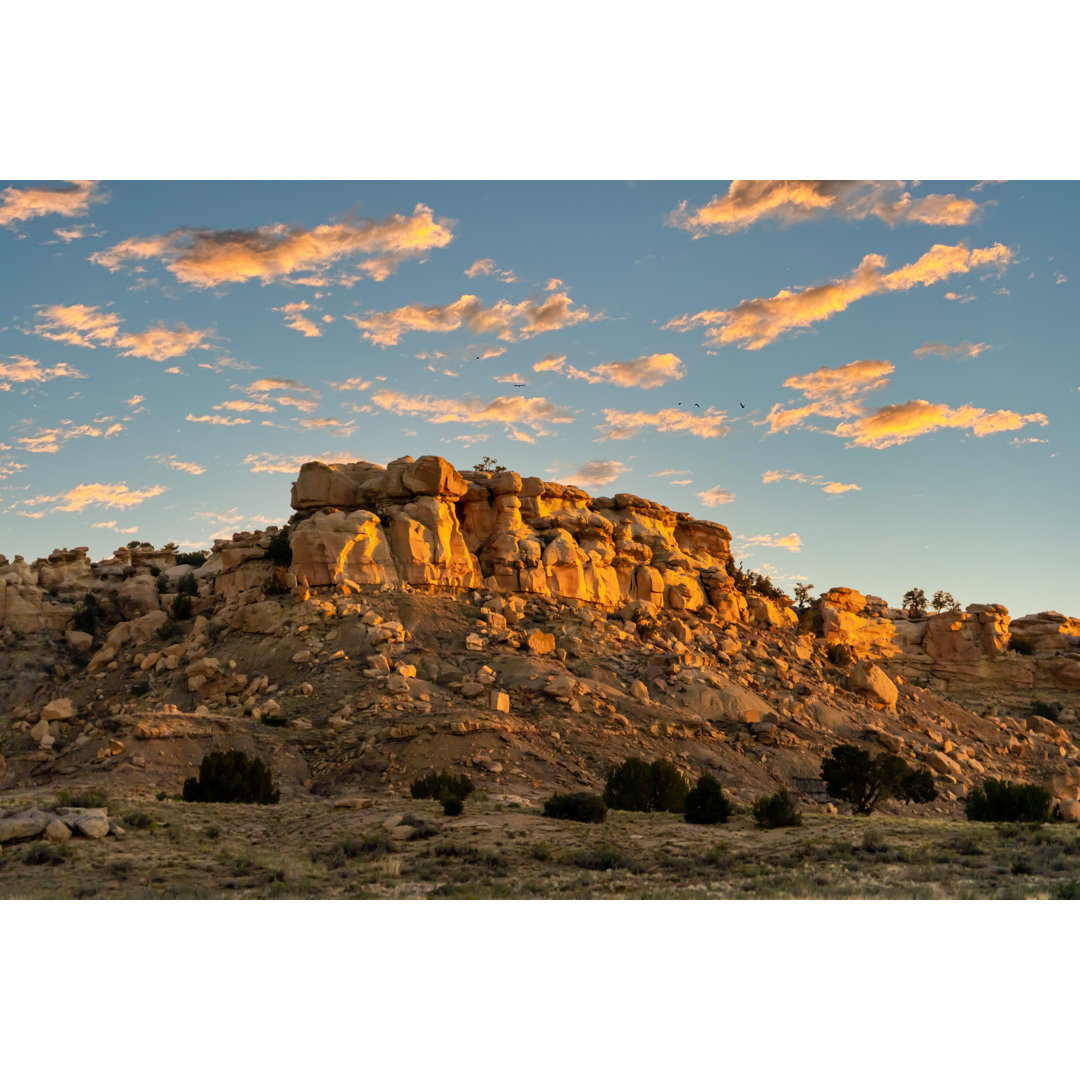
741,405
696,405
521,384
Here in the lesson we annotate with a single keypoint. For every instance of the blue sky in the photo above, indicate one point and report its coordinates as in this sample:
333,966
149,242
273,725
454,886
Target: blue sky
926,436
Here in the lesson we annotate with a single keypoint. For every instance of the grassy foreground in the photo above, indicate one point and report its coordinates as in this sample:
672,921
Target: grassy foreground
407,849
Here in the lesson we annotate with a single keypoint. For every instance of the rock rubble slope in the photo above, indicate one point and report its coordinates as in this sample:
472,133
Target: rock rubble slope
520,631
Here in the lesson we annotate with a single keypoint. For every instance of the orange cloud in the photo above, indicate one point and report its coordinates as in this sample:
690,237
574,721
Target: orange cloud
487,267
25,370
276,382
513,377
534,413
119,496
509,322
716,496
646,372
792,201
305,405
892,425
160,343
834,392
831,487
111,525
352,384
595,474
281,463
623,425
24,204
220,421
76,324
792,541
246,406
962,350
551,362
180,466
205,259
294,320
753,324
49,440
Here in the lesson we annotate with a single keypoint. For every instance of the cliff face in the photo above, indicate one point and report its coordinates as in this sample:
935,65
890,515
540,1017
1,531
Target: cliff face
423,523
964,654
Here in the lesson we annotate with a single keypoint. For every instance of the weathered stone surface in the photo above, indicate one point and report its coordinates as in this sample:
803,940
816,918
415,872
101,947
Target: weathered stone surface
58,709
23,825
57,832
539,643
870,681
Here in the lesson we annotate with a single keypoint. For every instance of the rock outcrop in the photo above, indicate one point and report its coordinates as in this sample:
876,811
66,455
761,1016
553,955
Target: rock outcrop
424,524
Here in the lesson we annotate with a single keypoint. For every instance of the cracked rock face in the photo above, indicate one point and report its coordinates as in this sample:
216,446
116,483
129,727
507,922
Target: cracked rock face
424,523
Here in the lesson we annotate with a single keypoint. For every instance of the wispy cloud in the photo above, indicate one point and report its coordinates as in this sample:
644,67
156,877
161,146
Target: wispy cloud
25,204
117,496
223,363
509,322
206,259
25,370
276,382
790,201
963,350
220,421
246,406
296,320
670,472
534,413
513,377
753,324
115,527
595,474
487,268
716,496
551,362
628,425
831,487
50,440
171,462
646,372
352,384
837,392
791,541
88,326
285,463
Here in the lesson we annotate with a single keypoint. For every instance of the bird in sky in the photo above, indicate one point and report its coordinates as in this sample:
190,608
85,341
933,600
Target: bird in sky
696,405
741,405
521,384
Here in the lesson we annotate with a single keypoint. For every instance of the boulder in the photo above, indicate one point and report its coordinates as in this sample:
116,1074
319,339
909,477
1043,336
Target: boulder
23,825
58,709
870,681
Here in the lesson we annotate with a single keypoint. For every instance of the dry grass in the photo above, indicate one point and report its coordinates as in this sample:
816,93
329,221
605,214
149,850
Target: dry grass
309,850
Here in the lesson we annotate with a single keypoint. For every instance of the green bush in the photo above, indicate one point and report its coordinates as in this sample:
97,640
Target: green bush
440,785
637,785
452,805
1046,710
577,806
1024,644
852,775
181,607
1002,800
776,811
88,614
140,687
42,854
187,586
706,804
191,558
280,550
840,654
231,776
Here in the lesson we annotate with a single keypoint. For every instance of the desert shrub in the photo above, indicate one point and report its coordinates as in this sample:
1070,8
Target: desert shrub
440,785
452,805
577,806
607,857
669,788
231,776
140,687
776,811
852,775
162,585
706,804
191,558
1024,644
43,855
840,654
187,586
1002,800
88,613
637,785
138,819
155,571
181,607
280,550
277,720
95,798
914,603
170,629
1046,710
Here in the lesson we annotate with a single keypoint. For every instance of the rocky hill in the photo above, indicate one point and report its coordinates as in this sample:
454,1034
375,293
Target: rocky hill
517,630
